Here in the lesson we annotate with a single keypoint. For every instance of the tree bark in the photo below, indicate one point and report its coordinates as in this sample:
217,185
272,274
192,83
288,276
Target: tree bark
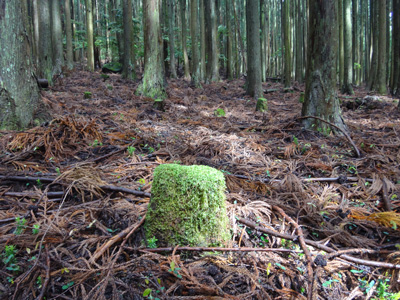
288,50
341,42
45,48
183,36
89,35
212,66
320,96
154,77
194,30
171,33
229,40
381,74
20,104
68,33
396,49
57,37
253,81
347,87
128,70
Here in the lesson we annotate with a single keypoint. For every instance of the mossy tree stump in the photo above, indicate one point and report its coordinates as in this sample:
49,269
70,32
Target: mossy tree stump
187,207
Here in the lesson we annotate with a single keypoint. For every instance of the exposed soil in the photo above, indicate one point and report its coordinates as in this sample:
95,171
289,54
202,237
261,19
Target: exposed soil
308,217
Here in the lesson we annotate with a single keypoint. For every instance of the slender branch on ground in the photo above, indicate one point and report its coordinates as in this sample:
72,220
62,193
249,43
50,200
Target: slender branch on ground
320,246
338,128
47,279
218,249
304,247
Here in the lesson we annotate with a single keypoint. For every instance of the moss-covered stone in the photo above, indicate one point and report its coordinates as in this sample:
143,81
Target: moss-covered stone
187,206
112,67
262,105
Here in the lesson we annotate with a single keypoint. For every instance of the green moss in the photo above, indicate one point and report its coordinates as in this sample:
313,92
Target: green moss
187,206
262,105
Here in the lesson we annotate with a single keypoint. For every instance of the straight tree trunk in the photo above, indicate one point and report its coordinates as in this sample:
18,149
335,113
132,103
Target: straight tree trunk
396,49
341,42
171,33
57,37
320,96
356,38
212,66
229,40
286,34
36,37
381,74
194,30
89,35
347,87
153,84
183,36
299,43
374,17
45,45
202,41
128,70
68,34
20,103
253,81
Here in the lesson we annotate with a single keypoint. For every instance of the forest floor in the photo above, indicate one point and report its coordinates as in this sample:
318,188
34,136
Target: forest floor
307,215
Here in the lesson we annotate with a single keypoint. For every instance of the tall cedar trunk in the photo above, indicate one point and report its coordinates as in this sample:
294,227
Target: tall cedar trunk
341,42
396,49
171,24
374,15
286,34
299,43
229,40
381,74
153,78
128,70
184,46
202,41
57,38
320,96
253,81
68,33
89,35
356,39
45,48
20,104
212,69
263,29
347,87
36,30
194,30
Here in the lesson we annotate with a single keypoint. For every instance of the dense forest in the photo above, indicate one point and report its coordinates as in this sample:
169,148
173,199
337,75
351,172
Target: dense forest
288,111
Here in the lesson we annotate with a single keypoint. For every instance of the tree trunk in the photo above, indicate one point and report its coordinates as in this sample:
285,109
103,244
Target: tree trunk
68,33
374,15
286,29
183,34
299,43
89,35
202,41
229,40
171,33
341,42
194,30
396,49
320,96
57,38
253,81
20,104
212,68
45,48
36,37
347,87
153,77
128,70
381,74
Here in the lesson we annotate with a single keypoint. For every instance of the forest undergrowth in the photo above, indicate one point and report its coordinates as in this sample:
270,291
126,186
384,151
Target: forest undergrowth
310,218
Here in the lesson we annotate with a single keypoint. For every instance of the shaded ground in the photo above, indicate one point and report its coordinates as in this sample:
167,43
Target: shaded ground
72,229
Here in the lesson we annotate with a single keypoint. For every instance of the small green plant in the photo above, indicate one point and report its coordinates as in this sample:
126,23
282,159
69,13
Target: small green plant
21,225
296,141
352,169
174,269
96,143
39,183
39,281
110,87
152,242
104,76
87,95
68,285
301,99
131,150
219,112
35,229
382,291
9,258
58,171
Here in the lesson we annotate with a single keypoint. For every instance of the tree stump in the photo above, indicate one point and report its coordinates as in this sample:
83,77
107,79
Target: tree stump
187,207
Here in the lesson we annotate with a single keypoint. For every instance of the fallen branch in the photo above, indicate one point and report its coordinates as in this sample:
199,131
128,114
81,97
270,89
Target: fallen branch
116,238
338,128
305,249
47,279
319,246
211,249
